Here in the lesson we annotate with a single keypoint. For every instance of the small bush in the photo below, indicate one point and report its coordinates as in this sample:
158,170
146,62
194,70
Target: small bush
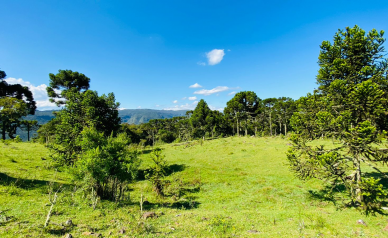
156,173
17,139
106,164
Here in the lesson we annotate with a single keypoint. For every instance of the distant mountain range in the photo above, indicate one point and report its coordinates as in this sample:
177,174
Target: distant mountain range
130,116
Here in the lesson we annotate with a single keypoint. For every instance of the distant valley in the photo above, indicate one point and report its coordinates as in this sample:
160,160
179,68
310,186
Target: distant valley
130,116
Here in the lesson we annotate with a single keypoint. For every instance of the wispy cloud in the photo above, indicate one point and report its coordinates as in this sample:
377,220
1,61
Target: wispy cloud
138,107
192,98
196,85
184,98
207,92
215,56
201,63
39,92
175,101
187,106
232,93
216,108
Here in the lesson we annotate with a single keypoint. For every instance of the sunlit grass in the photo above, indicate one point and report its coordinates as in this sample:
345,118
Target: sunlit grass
246,190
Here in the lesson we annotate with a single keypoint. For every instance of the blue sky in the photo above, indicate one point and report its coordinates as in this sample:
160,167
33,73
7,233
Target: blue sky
149,53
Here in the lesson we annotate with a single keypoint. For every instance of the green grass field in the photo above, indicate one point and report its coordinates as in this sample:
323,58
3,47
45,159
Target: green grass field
246,190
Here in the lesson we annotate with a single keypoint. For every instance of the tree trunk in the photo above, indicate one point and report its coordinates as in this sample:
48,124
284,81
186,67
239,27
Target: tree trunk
153,139
255,127
238,128
280,127
246,127
270,122
357,179
285,129
28,132
3,131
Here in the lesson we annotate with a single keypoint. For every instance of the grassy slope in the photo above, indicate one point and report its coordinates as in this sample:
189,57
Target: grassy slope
246,185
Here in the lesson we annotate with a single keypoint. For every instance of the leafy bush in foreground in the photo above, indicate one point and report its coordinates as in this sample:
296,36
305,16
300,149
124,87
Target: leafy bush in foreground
106,165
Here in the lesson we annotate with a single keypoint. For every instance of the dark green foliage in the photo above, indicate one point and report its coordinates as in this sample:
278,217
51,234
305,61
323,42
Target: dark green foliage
82,109
166,136
105,164
200,118
9,122
19,92
64,82
349,105
243,107
11,110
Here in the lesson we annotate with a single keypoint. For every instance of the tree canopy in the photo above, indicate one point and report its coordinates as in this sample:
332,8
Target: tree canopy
63,82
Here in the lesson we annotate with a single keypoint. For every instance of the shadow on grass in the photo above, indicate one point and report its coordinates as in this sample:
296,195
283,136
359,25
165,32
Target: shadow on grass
148,151
58,230
173,168
383,181
182,204
327,193
7,180
338,193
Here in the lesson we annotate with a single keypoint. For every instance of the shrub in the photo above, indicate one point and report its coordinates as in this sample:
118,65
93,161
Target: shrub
17,139
156,173
106,164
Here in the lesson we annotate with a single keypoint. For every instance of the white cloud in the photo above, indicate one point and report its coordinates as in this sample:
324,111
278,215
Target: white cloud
201,63
39,92
192,98
139,107
175,101
187,106
121,108
196,85
215,56
212,91
216,108
232,93
180,107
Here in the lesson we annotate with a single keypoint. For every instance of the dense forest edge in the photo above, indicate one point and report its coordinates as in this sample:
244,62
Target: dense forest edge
336,137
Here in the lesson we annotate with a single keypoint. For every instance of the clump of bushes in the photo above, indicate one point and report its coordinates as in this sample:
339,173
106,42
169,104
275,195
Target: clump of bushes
106,164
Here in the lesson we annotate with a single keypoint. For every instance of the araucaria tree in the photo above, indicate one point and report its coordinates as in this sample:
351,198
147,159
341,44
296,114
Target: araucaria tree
17,101
352,100
82,109
200,118
242,108
64,82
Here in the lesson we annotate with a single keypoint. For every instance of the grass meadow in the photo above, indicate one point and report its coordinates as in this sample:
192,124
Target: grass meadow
236,187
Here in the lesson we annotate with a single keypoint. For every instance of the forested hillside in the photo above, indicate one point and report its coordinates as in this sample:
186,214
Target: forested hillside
130,116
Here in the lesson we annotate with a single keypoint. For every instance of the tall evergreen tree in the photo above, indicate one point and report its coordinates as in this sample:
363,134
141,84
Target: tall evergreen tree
200,118
352,79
